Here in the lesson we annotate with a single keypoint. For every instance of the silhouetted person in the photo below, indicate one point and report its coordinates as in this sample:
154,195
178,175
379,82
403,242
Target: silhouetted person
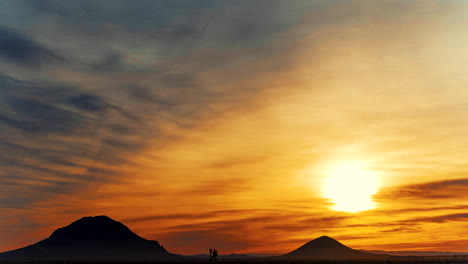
211,256
215,254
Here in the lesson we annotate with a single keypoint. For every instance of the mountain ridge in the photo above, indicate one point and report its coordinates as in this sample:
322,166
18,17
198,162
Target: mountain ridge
327,248
97,238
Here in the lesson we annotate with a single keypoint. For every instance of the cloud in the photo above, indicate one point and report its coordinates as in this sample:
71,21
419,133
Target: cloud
196,241
56,141
42,107
87,102
233,162
439,219
262,225
452,245
17,48
420,209
42,117
432,191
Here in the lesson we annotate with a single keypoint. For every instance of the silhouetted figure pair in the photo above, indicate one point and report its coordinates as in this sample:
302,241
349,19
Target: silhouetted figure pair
213,254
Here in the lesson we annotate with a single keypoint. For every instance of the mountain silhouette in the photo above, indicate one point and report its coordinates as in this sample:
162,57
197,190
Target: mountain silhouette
327,248
97,238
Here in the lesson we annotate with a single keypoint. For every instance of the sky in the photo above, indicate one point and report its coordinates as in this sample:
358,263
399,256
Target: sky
249,126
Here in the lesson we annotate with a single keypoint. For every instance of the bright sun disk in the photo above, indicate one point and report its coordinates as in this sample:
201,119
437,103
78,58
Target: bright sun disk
350,186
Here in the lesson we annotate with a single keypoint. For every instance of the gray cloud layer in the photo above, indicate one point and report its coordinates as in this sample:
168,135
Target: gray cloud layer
85,84
20,49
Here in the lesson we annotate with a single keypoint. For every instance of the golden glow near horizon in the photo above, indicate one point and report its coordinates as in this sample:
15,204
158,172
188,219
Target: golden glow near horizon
350,186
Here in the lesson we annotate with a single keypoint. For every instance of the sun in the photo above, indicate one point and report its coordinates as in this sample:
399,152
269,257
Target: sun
350,186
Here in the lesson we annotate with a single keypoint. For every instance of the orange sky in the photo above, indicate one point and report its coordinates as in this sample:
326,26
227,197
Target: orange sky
226,138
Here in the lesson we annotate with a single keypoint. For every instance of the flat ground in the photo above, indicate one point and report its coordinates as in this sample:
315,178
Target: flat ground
440,260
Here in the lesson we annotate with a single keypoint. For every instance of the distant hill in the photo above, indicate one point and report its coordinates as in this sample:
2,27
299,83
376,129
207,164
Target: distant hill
98,238
234,255
327,248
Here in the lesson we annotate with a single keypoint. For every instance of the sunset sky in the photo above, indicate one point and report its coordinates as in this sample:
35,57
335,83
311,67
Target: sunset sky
249,126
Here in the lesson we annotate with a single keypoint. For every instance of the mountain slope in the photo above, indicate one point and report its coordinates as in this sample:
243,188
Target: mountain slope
91,238
327,248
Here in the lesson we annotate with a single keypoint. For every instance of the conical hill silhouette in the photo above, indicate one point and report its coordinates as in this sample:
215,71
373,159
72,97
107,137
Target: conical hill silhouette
98,238
327,248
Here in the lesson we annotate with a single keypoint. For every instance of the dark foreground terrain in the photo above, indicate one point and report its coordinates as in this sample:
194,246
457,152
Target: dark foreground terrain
432,261
269,260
